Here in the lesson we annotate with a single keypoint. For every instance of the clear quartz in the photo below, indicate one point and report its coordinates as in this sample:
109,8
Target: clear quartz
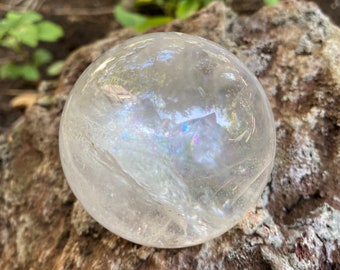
167,140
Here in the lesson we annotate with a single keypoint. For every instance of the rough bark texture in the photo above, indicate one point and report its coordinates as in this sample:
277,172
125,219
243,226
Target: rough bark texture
295,52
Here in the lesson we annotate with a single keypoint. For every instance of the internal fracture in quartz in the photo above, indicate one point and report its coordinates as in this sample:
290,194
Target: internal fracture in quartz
167,140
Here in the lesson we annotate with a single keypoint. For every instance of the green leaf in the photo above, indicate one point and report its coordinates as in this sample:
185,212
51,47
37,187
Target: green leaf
30,17
49,31
11,20
14,71
13,16
4,27
29,73
16,19
41,56
2,32
271,2
11,43
186,8
26,33
152,22
127,18
10,71
139,22
55,68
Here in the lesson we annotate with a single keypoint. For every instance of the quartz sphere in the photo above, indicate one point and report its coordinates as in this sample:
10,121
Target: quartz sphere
167,140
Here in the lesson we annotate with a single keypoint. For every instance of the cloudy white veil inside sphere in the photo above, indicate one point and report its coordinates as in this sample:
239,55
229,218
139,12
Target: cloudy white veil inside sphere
167,140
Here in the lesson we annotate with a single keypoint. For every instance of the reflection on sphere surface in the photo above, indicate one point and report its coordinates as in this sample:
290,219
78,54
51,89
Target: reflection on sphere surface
167,140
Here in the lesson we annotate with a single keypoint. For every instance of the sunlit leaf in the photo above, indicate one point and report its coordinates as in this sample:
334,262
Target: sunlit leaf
186,8
26,33
11,43
49,31
152,22
271,2
55,68
30,17
13,16
14,20
4,27
127,18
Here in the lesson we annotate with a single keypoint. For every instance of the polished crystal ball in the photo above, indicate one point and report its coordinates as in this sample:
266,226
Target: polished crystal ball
167,140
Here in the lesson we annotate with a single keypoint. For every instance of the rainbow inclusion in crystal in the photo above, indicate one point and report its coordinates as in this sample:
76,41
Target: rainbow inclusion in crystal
167,140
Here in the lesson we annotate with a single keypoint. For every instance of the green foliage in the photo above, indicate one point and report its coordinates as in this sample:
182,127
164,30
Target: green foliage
41,56
13,71
271,2
126,18
171,9
55,68
185,8
139,22
20,31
